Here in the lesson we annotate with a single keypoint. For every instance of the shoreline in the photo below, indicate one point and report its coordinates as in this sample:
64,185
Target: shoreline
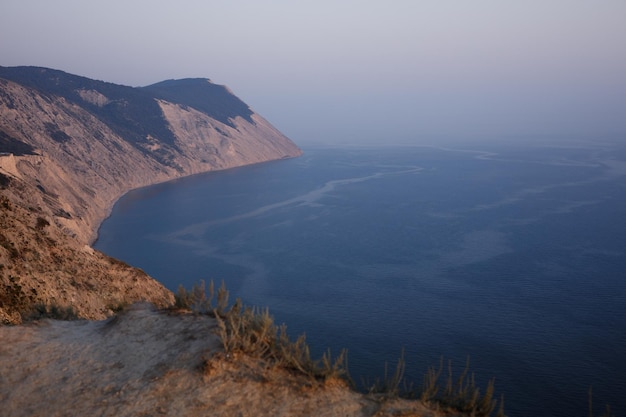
95,232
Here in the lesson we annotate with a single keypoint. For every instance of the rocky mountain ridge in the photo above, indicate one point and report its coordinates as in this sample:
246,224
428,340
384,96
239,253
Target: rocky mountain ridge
71,146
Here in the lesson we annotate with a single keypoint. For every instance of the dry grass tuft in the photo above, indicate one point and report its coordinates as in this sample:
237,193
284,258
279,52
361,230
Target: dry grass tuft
252,331
607,409
461,393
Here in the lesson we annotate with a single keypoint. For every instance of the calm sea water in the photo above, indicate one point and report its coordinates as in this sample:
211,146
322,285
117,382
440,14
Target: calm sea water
514,256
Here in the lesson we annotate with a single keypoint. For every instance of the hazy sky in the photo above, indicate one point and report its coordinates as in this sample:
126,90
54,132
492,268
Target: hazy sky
354,71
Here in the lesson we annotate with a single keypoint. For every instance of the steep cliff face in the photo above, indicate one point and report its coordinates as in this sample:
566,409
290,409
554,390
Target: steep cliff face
89,142
71,146
41,268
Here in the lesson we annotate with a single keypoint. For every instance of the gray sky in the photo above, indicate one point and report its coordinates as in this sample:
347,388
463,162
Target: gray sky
337,71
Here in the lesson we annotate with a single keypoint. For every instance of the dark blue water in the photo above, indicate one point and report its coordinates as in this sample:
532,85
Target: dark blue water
514,256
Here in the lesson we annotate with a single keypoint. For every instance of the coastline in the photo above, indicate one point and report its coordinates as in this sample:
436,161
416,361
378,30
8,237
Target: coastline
95,232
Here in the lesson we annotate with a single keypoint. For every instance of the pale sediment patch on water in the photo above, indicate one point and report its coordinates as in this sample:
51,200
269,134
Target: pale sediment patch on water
525,193
494,156
194,232
572,206
616,167
477,246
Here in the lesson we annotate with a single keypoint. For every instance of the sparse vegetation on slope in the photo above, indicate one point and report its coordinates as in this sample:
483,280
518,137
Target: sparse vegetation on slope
46,273
201,94
84,143
459,393
252,332
69,148
131,112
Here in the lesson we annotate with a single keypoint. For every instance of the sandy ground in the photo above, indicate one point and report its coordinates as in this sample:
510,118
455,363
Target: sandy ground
145,362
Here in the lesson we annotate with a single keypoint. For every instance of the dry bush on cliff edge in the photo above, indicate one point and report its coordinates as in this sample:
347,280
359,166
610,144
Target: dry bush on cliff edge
252,331
459,394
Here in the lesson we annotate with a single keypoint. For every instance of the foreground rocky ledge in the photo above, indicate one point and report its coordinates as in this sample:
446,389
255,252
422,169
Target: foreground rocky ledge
145,362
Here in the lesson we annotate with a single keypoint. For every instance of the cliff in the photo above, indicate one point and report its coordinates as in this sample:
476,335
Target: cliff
84,143
71,146
145,362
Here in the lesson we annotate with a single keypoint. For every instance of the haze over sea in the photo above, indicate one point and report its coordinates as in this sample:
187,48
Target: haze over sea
512,255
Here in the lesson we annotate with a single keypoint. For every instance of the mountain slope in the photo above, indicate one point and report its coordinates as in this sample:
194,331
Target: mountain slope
130,112
103,139
216,101
71,146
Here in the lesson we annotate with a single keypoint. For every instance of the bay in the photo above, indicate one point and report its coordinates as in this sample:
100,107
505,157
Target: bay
513,256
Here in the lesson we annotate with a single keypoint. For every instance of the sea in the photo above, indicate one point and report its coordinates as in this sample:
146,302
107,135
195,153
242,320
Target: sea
511,256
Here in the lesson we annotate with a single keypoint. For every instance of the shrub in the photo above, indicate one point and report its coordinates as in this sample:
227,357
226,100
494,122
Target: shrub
460,394
13,296
252,331
51,311
389,386
199,302
457,394
6,243
41,223
117,306
4,181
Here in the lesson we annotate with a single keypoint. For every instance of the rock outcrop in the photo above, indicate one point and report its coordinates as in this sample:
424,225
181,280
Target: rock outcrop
144,362
71,146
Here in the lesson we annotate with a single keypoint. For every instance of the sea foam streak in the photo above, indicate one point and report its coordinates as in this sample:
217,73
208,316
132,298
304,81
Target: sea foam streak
192,233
